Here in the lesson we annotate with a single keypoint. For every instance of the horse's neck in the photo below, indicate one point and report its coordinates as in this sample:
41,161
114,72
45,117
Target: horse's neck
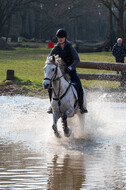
60,84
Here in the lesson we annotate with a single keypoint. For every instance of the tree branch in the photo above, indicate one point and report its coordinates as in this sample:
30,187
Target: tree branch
115,4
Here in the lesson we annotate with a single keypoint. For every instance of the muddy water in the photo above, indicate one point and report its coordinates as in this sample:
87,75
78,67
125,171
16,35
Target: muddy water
93,158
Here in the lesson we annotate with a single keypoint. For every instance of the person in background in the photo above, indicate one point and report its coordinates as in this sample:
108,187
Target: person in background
69,55
119,51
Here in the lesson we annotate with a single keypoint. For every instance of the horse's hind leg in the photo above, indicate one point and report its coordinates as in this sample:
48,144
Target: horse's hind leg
54,126
67,131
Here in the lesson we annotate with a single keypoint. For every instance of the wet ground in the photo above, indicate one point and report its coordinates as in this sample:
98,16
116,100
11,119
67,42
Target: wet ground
31,157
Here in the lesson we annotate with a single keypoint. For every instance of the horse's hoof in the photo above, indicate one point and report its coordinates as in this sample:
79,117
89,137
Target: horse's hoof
57,135
56,131
67,132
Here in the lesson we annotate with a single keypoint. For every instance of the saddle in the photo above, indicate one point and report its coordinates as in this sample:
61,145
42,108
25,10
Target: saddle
74,89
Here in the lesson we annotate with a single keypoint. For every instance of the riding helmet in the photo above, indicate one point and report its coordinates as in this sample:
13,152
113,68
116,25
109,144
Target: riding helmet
61,33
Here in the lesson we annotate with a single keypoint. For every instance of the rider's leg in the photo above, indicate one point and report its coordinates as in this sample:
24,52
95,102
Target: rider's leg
75,79
81,101
50,97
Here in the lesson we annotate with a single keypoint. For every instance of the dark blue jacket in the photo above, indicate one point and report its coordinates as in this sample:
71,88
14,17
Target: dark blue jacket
119,52
68,54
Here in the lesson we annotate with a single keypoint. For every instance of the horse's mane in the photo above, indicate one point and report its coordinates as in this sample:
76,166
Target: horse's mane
56,60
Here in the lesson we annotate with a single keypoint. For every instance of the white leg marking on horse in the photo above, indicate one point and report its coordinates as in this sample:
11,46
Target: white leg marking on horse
54,126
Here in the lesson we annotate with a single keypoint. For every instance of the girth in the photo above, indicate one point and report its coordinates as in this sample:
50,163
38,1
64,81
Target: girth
59,98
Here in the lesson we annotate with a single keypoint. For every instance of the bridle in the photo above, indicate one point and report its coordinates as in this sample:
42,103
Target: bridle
53,77
57,96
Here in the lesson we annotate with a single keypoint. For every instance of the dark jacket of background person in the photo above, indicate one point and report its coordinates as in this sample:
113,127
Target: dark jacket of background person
119,53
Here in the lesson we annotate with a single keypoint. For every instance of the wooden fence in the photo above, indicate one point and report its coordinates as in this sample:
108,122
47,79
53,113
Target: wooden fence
104,66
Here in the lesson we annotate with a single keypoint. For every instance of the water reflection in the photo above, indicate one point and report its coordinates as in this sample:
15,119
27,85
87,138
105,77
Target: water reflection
21,169
66,173
94,158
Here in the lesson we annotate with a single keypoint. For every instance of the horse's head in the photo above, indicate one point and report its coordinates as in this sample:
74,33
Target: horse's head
54,70
50,71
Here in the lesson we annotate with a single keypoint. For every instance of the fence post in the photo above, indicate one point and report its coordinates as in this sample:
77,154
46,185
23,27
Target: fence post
123,79
10,75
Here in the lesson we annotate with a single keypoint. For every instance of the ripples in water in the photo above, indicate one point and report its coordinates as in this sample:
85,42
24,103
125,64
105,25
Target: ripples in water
93,158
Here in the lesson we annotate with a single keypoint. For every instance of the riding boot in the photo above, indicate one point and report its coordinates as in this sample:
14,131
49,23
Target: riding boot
50,97
81,102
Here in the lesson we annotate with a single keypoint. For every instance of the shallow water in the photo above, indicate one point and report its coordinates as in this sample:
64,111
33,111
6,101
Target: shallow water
31,157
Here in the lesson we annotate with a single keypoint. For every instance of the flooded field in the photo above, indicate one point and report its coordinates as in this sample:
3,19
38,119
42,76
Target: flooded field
32,158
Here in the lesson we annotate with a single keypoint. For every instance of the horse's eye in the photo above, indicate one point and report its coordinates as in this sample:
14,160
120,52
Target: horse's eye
53,69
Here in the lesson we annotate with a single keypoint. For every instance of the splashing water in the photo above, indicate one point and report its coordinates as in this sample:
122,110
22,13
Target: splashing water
21,116
33,158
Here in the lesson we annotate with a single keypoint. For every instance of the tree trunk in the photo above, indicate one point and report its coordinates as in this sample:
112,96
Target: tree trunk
8,27
23,17
110,20
120,30
1,27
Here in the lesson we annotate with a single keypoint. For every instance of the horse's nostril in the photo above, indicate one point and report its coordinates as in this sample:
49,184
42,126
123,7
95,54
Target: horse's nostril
46,86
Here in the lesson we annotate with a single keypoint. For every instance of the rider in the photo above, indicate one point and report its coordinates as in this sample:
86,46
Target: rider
69,55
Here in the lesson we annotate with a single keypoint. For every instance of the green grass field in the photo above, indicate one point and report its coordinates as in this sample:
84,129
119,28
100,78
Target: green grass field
28,64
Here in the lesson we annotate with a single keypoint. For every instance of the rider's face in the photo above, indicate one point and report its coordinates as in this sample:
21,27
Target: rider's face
61,40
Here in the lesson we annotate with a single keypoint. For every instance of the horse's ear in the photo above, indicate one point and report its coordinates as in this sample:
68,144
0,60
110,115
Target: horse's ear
53,58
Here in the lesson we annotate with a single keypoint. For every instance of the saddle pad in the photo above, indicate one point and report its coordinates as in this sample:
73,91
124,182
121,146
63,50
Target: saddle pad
75,92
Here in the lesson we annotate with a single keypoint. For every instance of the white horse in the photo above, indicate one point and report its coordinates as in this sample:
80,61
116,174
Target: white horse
64,102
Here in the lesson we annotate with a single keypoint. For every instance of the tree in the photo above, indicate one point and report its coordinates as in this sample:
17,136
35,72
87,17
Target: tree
116,9
8,8
83,20
76,16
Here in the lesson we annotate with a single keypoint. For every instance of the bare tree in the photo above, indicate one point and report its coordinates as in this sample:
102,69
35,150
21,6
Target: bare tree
41,19
64,13
116,9
8,8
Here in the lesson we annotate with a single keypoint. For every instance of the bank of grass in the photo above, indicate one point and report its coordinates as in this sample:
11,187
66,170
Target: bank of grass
28,64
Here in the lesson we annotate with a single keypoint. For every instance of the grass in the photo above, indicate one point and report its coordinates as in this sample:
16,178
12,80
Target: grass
28,64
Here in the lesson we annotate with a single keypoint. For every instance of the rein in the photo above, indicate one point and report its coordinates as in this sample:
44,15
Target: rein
57,96
53,77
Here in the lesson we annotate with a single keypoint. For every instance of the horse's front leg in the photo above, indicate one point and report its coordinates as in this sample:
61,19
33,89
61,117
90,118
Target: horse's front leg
54,126
67,131
68,113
